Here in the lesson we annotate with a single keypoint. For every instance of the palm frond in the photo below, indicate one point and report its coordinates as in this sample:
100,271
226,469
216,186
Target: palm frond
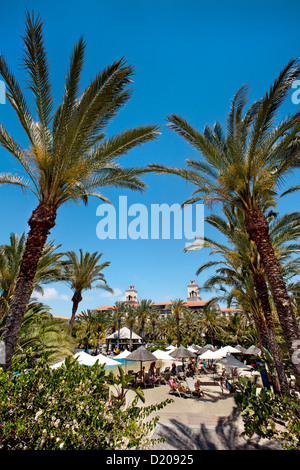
36,64
15,180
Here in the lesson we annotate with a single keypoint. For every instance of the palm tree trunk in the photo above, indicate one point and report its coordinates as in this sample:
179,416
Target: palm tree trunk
262,331
178,331
118,342
258,229
76,299
261,289
142,330
40,223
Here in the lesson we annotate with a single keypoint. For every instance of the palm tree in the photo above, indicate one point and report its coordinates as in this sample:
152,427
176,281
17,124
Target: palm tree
42,334
102,322
244,169
154,316
118,313
144,311
243,271
130,321
48,269
68,157
81,274
168,327
211,322
178,309
85,330
235,328
94,325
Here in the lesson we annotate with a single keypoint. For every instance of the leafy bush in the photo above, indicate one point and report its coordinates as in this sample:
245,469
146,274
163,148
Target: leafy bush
68,408
269,415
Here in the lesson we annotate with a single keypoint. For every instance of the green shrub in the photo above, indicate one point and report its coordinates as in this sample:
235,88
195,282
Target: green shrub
68,408
269,415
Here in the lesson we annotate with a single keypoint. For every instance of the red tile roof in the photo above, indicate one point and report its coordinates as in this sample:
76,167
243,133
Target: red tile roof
189,303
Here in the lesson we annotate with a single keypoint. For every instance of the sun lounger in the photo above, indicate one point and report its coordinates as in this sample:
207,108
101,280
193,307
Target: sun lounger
165,377
148,382
190,382
176,391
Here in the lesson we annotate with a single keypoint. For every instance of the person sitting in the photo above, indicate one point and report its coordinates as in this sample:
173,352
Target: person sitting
198,388
178,386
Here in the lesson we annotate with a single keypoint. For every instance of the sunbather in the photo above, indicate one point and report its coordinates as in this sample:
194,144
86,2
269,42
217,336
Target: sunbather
178,386
198,388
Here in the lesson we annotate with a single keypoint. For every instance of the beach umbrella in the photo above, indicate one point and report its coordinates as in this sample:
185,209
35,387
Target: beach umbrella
181,353
164,355
228,350
253,351
241,349
85,359
57,364
196,349
211,355
170,347
141,354
208,347
122,355
231,361
106,360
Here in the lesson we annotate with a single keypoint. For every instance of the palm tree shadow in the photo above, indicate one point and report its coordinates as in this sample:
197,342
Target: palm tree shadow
225,435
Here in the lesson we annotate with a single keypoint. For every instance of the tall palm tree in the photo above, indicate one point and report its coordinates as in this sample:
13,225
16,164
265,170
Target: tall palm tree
179,309
130,321
144,310
68,157
242,269
118,313
211,322
85,329
95,321
244,169
83,273
168,327
153,318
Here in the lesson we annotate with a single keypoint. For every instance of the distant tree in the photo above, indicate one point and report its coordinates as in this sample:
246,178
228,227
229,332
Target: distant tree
83,273
179,309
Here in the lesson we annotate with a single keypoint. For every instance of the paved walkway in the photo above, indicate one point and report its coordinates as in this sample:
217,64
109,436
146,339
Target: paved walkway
209,423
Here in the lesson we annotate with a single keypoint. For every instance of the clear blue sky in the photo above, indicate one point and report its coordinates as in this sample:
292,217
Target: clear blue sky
190,59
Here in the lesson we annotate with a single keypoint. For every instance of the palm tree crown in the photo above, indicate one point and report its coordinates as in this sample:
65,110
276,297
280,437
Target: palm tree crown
83,273
243,168
69,156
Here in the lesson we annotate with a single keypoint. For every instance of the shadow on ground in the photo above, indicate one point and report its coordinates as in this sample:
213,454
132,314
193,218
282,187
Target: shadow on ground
225,435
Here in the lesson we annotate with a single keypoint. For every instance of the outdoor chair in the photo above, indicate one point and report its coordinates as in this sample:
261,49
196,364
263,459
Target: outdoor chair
181,376
191,384
174,391
147,381
165,377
